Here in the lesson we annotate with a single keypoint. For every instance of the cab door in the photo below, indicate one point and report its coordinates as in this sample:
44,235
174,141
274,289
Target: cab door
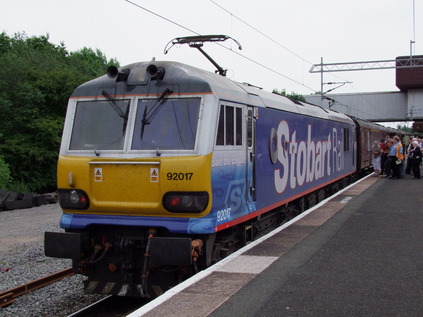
251,156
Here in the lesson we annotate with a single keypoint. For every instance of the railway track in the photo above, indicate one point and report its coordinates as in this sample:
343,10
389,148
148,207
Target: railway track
111,306
108,306
8,297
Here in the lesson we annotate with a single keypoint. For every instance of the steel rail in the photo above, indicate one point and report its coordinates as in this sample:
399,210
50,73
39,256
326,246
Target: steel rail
85,311
7,297
111,305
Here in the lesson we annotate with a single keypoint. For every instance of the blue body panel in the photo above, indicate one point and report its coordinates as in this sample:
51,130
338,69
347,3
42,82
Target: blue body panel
295,155
81,221
308,153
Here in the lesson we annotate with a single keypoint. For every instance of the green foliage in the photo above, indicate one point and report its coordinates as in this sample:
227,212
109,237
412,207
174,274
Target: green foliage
5,177
404,128
292,95
88,62
19,187
36,81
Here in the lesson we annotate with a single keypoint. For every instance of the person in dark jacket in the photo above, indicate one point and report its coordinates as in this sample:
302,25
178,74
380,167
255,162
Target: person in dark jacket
415,159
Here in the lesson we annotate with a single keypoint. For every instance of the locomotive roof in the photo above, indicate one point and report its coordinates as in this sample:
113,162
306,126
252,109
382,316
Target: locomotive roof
185,79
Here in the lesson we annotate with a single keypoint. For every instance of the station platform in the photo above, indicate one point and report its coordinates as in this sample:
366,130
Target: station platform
358,254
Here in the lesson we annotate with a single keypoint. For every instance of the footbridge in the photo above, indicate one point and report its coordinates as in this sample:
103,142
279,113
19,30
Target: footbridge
403,105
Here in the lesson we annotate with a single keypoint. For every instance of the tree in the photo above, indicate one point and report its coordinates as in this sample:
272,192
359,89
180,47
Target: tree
404,128
36,81
5,178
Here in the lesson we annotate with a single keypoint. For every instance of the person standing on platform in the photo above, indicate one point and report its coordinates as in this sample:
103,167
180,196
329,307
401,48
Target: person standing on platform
408,156
415,159
396,154
389,163
376,157
384,152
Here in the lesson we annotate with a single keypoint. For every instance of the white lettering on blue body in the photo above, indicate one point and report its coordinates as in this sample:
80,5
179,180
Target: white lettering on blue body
224,215
304,161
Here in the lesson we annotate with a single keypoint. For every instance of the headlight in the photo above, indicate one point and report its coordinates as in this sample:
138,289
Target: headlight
73,199
189,202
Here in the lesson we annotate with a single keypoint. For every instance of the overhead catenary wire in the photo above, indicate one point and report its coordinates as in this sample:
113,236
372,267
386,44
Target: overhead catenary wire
228,48
248,58
293,53
269,38
162,17
270,69
260,32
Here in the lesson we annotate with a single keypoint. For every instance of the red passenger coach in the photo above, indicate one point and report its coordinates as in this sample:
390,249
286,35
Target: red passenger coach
368,132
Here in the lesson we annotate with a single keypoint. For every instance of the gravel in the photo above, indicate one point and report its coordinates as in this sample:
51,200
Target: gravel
22,260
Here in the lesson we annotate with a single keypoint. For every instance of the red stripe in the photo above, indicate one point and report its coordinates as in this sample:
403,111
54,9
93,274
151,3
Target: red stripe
256,213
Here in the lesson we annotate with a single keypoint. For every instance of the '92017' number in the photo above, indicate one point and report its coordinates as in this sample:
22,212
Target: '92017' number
179,176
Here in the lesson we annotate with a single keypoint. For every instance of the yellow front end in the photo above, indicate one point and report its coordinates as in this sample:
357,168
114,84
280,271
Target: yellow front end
134,187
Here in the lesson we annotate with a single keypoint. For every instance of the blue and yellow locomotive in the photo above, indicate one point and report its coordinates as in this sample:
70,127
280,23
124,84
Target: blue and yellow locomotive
165,168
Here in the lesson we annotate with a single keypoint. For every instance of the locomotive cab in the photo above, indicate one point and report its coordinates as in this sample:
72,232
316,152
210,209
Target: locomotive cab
165,168
133,175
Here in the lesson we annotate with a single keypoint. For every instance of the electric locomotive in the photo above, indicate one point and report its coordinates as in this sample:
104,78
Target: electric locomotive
165,168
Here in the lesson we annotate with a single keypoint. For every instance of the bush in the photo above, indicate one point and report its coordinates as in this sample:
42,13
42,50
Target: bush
19,187
5,178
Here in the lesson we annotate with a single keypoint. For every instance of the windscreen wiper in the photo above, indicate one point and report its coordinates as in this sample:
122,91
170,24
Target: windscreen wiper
148,115
117,109
113,104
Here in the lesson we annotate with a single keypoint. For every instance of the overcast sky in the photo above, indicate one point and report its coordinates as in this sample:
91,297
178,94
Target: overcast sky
286,36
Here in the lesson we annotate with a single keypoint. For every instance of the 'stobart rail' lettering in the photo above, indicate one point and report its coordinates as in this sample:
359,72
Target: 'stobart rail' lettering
304,161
